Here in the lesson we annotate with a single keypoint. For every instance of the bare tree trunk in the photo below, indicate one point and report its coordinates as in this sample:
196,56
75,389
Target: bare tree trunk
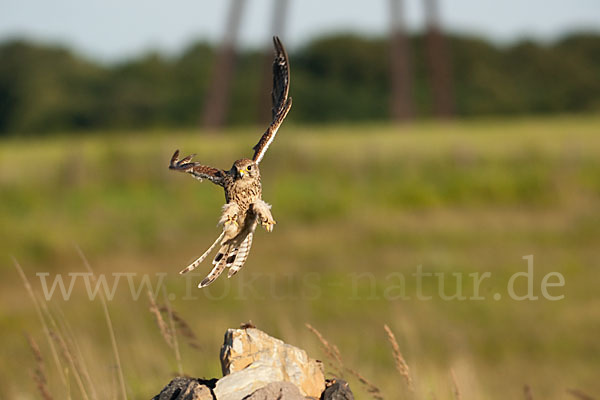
401,107
439,63
277,28
217,98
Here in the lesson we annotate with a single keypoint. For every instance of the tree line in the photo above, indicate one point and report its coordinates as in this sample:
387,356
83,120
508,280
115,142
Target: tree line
46,88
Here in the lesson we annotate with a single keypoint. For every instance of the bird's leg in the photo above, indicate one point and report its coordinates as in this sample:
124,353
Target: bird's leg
263,211
229,219
230,214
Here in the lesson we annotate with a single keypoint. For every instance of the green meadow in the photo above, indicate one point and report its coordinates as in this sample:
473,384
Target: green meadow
360,209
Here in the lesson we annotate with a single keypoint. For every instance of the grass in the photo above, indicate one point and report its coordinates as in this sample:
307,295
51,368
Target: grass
356,206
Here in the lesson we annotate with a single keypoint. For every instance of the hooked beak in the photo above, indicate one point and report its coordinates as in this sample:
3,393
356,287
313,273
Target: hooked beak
242,173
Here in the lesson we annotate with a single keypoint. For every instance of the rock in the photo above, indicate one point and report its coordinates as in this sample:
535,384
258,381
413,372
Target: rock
182,388
277,391
240,384
337,389
270,359
257,366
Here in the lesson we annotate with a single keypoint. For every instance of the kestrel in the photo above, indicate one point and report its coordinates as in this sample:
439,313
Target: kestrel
244,207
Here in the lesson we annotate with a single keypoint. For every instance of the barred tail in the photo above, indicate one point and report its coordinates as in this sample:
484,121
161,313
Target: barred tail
241,256
214,274
195,264
232,254
220,262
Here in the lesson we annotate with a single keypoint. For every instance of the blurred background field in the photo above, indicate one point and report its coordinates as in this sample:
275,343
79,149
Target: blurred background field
454,197
454,136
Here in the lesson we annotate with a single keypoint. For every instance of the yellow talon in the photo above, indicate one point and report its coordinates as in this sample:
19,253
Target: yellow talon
268,225
231,220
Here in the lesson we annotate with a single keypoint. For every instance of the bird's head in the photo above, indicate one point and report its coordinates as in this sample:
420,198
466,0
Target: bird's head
245,169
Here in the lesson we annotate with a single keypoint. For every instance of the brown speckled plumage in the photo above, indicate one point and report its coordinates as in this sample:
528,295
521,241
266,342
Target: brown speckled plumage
242,191
244,207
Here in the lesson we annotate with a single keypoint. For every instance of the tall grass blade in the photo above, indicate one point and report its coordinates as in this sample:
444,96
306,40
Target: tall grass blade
111,331
38,311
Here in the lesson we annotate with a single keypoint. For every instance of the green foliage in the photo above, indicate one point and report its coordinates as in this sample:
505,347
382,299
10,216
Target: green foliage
338,78
47,88
341,78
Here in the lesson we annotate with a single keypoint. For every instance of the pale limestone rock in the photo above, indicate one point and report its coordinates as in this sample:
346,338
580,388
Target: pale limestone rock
240,384
277,390
270,357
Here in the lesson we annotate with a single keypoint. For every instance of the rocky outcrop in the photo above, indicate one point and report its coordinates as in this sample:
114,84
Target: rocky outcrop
248,353
257,366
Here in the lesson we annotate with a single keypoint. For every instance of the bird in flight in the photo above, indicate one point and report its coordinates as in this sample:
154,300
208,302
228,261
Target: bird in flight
244,207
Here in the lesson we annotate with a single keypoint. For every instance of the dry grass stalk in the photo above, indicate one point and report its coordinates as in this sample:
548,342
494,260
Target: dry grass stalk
455,387
401,364
72,343
184,328
332,351
579,394
111,331
68,357
162,325
67,345
39,373
173,333
114,391
38,311
527,392
336,353
68,385
370,387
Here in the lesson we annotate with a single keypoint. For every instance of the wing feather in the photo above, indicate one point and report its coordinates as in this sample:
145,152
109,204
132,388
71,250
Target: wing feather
281,77
281,102
196,169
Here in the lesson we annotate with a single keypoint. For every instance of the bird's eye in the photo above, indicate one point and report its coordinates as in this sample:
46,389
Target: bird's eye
249,167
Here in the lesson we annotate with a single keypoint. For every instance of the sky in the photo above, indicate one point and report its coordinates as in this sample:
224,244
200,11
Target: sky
110,30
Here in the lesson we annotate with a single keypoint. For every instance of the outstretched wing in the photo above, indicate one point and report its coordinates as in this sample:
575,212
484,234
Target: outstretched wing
281,102
281,77
197,170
